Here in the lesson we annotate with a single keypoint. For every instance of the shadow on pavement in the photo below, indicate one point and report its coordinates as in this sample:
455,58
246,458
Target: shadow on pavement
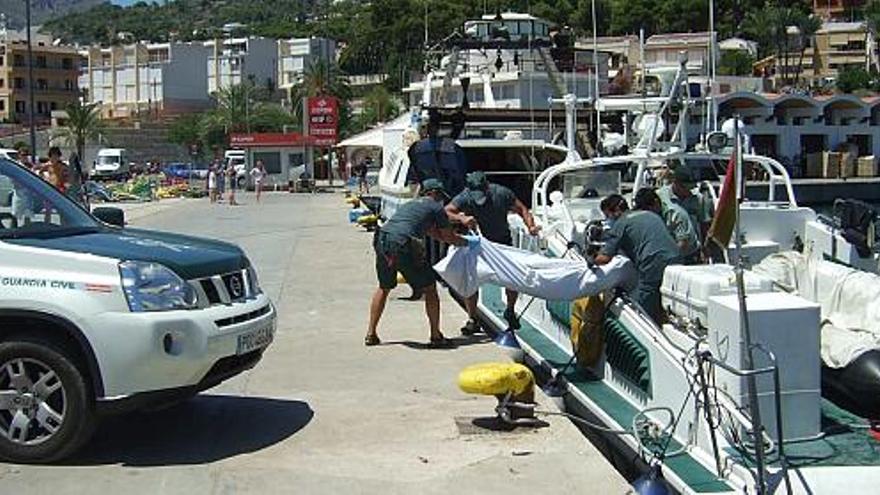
454,342
204,429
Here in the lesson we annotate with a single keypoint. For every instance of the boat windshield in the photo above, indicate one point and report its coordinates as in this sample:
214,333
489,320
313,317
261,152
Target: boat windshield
31,207
590,184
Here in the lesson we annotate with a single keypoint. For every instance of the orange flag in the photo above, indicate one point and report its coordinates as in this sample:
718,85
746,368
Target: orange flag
721,229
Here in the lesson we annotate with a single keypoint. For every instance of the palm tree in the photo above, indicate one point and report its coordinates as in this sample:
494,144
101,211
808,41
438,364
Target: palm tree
807,26
240,108
234,106
83,124
320,78
379,106
769,27
872,27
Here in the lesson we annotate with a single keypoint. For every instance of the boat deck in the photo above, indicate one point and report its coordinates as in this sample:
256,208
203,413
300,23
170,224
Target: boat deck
843,443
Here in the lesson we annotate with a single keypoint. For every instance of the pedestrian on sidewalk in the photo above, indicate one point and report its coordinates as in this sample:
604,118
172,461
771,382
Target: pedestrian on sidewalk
258,173
221,179
485,205
233,184
56,171
212,184
399,248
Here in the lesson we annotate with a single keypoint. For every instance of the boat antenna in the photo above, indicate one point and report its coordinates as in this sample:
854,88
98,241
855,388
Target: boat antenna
748,357
713,69
596,79
426,24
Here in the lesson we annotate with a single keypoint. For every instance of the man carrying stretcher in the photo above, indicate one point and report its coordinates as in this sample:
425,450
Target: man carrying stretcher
486,205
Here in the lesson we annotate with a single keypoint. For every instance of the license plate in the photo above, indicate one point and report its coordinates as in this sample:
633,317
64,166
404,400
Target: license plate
254,340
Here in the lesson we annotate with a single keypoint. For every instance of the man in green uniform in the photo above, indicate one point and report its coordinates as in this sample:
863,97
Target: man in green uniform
398,246
681,192
678,223
486,205
641,235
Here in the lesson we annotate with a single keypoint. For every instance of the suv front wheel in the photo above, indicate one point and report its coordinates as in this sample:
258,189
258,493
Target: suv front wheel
45,409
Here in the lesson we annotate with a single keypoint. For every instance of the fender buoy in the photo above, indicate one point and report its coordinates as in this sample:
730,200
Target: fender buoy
497,379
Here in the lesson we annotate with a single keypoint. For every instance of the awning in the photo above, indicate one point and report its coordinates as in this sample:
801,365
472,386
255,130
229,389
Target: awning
371,138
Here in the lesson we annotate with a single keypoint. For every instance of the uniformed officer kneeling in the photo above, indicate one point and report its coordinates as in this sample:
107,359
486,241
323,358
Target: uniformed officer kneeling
399,248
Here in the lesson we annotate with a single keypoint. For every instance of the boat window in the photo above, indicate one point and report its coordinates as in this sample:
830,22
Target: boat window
589,184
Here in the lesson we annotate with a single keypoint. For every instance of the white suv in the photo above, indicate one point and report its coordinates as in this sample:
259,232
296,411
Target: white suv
96,318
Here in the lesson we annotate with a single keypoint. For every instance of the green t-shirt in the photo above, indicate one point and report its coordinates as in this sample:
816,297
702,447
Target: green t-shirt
698,209
492,215
415,217
679,225
642,236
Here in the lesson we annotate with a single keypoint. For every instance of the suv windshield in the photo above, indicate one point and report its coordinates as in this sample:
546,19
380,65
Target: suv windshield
31,207
108,160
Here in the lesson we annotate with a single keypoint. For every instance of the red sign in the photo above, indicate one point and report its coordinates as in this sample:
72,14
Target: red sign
270,139
323,119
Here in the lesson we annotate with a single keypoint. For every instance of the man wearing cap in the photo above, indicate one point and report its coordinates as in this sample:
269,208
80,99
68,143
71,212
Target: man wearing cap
641,235
486,205
678,224
681,192
398,246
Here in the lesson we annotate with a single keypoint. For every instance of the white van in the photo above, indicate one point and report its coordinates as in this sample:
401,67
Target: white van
10,154
111,163
96,318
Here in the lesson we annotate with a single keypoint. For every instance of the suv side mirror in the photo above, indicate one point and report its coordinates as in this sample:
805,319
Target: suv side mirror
110,215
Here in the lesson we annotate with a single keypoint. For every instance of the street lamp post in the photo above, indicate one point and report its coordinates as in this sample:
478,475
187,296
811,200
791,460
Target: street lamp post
30,80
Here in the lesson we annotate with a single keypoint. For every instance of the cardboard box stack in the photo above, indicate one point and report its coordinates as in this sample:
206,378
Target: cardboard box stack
848,164
814,165
831,164
867,166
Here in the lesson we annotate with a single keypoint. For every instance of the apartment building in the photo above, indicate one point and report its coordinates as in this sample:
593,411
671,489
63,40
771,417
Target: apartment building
232,61
296,54
835,9
145,79
837,46
55,70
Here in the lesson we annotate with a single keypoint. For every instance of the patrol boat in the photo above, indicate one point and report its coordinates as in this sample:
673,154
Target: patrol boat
489,83
725,397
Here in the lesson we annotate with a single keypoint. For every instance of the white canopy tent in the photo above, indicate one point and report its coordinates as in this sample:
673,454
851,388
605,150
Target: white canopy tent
372,142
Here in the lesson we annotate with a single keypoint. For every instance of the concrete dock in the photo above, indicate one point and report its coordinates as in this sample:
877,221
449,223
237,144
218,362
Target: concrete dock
322,413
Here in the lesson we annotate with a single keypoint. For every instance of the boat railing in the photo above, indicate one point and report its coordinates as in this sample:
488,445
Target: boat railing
757,428
776,173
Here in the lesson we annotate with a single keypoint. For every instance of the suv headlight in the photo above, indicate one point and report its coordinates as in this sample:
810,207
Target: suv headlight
153,287
253,281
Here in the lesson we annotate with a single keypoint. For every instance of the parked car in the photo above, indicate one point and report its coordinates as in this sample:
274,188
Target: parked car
98,319
184,170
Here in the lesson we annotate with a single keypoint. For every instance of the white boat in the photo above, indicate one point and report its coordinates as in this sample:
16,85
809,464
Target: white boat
676,394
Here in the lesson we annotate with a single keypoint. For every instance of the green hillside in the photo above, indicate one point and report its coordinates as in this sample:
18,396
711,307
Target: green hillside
387,35
41,10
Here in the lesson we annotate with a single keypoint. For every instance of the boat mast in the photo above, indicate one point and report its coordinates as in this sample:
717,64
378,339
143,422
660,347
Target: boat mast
596,86
748,357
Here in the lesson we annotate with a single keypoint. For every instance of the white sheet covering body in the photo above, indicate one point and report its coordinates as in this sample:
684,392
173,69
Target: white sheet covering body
850,301
465,269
